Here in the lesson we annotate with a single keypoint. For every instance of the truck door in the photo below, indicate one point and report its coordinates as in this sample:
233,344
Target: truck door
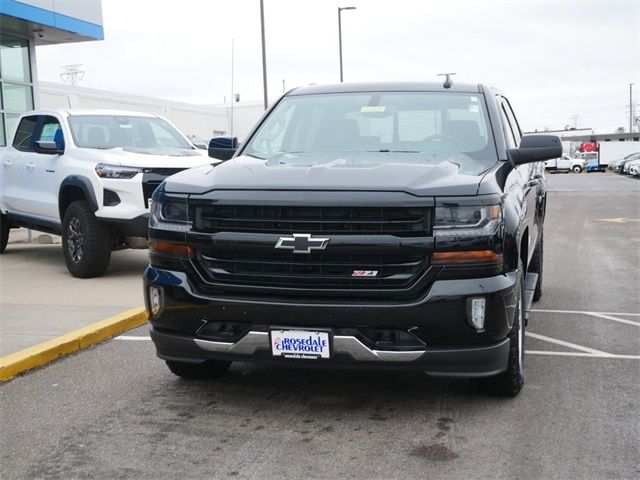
14,165
531,177
42,183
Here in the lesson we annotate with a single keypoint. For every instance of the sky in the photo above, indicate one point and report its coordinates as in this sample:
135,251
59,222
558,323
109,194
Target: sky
559,62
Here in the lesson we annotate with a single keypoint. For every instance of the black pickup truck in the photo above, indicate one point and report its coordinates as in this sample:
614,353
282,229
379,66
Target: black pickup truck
359,225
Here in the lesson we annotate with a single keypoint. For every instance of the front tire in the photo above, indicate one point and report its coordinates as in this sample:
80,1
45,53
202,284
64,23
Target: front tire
86,242
577,169
207,370
510,382
4,232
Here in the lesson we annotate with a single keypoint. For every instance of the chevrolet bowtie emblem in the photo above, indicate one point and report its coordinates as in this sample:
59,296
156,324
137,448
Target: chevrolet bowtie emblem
302,243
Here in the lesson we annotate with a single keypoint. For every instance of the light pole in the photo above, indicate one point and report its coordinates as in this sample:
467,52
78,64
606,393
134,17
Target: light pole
340,34
264,56
631,107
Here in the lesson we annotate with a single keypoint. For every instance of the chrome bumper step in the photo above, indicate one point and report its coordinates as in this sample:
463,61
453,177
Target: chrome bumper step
342,344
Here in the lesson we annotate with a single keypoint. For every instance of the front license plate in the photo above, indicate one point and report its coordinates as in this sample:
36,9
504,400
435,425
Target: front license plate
302,344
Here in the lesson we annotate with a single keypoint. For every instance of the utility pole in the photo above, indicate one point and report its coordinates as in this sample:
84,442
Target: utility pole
231,133
340,35
631,107
72,74
264,56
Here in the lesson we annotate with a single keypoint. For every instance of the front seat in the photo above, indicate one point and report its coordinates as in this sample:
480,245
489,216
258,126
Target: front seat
338,135
96,137
466,131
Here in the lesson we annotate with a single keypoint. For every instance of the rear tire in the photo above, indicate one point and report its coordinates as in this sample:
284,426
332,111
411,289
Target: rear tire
510,382
4,232
207,370
86,242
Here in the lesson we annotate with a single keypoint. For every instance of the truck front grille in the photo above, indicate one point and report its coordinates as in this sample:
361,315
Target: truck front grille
371,252
397,221
318,270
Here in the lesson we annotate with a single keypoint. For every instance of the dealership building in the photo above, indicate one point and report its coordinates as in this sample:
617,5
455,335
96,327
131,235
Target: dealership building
26,24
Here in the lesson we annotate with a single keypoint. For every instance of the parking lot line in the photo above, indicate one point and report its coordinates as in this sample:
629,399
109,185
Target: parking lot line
544,338
583,354
582,312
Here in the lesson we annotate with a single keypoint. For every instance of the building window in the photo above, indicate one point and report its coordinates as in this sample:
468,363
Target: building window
16,82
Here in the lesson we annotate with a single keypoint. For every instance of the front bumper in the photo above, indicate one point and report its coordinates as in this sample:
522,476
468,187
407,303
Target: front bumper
452,347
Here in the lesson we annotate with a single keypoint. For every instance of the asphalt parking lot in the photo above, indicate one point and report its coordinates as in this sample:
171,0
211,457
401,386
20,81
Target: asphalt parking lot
115,411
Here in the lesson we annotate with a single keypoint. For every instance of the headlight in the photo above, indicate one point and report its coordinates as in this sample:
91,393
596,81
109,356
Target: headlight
168,213
467,221
104,170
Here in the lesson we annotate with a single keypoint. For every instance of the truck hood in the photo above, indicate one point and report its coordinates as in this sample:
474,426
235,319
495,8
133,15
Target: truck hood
147,158
375,172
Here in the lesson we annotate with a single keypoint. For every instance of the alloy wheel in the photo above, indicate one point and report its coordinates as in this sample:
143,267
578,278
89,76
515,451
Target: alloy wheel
75,240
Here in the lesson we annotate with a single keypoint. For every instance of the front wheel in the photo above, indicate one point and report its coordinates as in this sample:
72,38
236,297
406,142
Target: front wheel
510,382
86,242
4,232
207,370
577,169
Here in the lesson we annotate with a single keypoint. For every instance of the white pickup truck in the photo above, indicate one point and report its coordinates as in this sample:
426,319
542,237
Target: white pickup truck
565,164
88,175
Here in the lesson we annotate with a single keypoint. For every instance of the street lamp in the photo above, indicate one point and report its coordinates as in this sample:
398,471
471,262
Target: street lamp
631,107
264,58
340,34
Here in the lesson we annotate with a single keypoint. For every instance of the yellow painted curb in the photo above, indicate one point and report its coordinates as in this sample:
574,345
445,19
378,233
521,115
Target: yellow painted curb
32,357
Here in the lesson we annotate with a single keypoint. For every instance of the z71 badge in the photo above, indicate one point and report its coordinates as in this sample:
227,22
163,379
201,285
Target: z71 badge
365,273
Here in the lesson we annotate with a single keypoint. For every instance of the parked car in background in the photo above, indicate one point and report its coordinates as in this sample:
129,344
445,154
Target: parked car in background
632,156
198,142
88,175
565,164
620,165
629,165
635,169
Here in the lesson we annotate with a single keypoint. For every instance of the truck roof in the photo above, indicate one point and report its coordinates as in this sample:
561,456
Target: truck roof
89,111
388,87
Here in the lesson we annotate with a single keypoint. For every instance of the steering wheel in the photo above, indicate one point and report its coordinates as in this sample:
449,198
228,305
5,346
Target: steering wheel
447,138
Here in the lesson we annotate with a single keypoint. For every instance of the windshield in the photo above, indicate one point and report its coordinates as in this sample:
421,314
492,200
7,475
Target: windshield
423,127
112,131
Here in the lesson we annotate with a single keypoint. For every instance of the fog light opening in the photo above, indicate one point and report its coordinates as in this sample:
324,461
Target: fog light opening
155,300
476,313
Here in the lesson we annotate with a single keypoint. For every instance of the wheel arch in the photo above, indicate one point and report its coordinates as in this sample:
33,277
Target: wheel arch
74,188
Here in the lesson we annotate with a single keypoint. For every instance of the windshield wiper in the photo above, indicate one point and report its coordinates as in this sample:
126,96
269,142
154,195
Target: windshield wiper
254,156
386,150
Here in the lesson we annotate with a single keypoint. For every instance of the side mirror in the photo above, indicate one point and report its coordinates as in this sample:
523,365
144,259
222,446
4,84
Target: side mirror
49,148
536,148
223,148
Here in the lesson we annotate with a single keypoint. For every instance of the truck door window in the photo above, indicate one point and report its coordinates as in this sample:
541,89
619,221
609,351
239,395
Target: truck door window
51,132
512,119
508,131
23,139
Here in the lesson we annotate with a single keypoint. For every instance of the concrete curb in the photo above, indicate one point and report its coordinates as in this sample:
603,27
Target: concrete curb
43,353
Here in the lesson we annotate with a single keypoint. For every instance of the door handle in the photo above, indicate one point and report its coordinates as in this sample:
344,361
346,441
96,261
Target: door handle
7,163
31,166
